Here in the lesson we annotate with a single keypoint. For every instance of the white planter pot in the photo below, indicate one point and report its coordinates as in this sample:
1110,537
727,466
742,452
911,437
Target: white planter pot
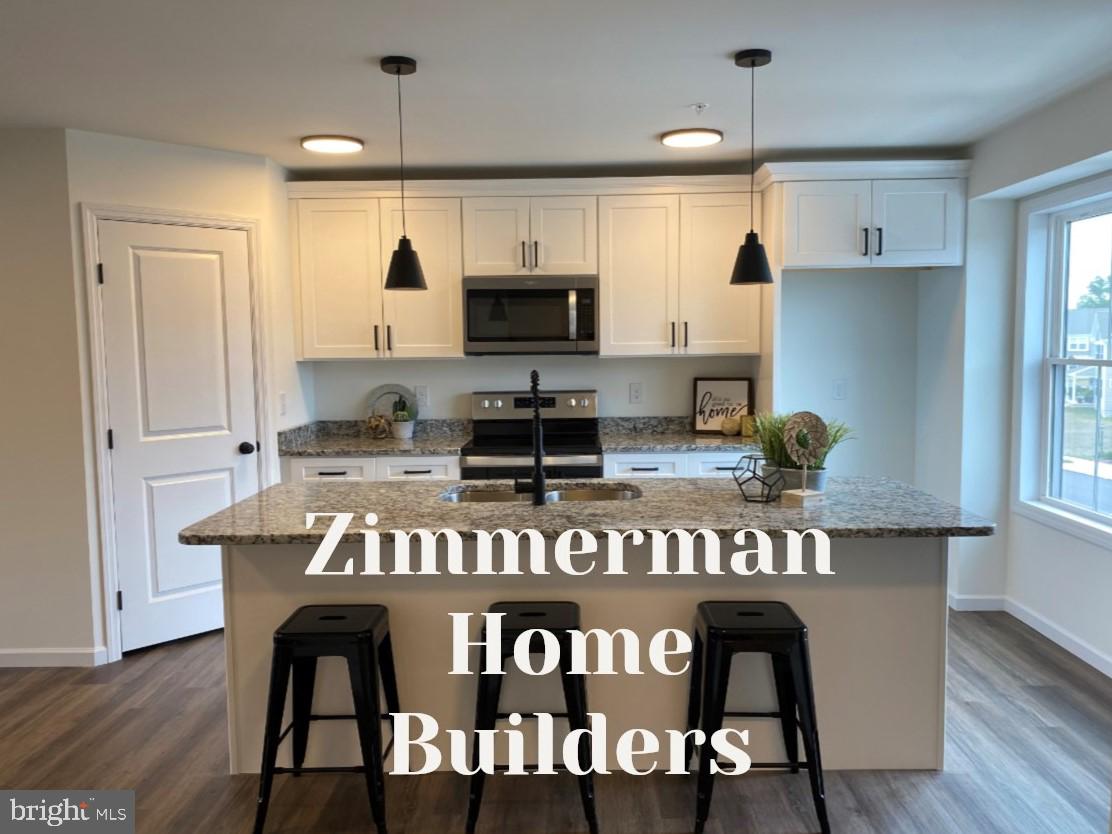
402,431
793,478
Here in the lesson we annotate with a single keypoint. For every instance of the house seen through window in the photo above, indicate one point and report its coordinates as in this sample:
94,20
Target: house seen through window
1079,401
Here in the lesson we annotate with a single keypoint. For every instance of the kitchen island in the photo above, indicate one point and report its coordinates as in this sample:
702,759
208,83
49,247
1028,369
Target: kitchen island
877,624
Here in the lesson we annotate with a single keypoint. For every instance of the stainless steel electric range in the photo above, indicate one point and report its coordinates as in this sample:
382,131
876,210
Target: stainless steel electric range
502,446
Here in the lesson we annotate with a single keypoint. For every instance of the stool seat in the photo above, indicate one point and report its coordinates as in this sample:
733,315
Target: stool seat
522,616
317,621
750,616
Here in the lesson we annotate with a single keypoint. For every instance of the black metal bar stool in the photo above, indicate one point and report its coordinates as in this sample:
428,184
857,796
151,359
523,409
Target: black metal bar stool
361,635
558,618
723,629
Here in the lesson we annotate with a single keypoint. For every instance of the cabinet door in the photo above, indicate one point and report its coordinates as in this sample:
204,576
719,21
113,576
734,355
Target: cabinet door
332,469
339,278
715,317
428,323
496,236
644,466
639,264
417,468
825,223
564,235
918,222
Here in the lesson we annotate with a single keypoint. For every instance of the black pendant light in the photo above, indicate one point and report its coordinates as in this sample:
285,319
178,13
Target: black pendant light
751,266
405,271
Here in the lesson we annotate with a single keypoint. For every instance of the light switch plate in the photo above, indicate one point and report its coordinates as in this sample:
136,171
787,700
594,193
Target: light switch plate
838,389
422,392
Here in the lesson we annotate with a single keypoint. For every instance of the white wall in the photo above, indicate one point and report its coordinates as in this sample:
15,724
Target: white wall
341,388
46,601
857,326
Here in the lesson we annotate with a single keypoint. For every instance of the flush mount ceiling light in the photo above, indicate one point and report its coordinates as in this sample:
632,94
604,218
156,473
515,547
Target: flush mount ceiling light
331,144
405,271
751,266
691,137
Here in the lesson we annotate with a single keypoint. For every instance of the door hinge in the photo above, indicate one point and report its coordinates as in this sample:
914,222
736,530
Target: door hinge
100,273
119,600
111,444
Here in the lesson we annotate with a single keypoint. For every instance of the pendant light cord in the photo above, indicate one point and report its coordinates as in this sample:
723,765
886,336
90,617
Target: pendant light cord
401,151
752,141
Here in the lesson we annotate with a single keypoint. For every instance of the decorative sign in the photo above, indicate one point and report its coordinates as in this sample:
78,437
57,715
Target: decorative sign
717,398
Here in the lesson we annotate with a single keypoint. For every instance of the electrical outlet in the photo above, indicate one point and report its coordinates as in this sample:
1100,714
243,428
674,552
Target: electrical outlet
838,389
422,392
635,393
281,403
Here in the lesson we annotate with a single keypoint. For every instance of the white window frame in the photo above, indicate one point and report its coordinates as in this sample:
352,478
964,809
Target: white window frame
1040,345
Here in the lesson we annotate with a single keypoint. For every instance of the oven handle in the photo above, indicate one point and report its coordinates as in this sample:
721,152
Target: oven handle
573,315
501,461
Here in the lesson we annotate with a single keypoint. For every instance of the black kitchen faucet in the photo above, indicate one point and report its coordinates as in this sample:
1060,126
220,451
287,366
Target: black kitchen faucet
537,487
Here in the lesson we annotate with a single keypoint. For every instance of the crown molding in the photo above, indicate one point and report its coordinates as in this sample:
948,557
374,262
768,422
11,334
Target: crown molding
899,169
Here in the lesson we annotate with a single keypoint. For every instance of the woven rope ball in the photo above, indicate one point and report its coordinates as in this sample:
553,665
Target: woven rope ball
805,438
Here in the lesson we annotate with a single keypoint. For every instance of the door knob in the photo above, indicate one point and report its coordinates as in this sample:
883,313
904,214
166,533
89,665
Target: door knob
246,448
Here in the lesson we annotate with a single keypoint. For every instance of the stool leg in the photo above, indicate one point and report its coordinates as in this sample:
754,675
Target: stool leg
486,715
575,699
362,668
785,694
304,678
275,709
717,679
694,696
389,677
804,693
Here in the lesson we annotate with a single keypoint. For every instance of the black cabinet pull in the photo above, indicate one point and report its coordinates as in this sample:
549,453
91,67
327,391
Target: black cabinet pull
376,338
523,264
865,252
416,471
389,339
879,240
324,474
536,256
644,468
724,468
685,334
673,334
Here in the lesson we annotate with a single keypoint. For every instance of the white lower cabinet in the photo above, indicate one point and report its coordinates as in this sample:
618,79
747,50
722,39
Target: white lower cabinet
644,466
712,464
399,468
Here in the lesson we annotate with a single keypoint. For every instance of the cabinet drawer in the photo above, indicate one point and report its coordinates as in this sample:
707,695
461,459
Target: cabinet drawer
418,468
717,465
324,469
644,466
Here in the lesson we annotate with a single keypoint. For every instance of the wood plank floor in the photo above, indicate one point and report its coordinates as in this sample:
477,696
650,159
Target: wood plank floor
1029,731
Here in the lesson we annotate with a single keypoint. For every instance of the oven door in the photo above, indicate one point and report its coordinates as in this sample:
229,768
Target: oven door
546,314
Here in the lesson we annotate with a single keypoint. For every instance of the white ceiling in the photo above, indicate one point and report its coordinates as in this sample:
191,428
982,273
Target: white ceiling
509,83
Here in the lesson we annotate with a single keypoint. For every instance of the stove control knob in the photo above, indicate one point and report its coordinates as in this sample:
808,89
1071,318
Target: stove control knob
584,402
497,403
486,403
571,402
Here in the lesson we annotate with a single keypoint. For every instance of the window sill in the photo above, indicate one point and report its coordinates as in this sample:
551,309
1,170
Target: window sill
1073,524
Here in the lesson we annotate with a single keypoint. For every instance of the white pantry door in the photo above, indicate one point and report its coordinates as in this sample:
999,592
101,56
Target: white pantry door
176,304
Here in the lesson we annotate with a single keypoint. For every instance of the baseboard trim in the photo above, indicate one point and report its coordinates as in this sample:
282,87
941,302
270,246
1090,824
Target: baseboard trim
977,602
1068,641
24,658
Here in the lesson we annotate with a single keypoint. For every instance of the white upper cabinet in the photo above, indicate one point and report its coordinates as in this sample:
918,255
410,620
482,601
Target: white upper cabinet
715,317
918,222
565,235
530,235
639,266
873,222
425,323
496,237
827,223
340,278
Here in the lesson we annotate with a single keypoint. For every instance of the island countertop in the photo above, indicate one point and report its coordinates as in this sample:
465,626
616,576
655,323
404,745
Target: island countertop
854,507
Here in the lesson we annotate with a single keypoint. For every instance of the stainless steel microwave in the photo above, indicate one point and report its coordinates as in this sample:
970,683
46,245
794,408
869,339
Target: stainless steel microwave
533,314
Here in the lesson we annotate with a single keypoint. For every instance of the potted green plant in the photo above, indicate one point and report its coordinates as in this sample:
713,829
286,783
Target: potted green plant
402,422
769,429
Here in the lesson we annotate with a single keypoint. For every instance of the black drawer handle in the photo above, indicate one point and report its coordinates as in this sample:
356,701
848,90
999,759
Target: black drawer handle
324,474
724,468
416,471
879,241
644,468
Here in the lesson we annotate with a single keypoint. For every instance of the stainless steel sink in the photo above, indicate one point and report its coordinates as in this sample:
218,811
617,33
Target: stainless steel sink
485,496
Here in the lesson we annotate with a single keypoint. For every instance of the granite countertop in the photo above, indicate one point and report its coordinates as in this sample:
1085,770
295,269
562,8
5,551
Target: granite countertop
636,435
853,508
